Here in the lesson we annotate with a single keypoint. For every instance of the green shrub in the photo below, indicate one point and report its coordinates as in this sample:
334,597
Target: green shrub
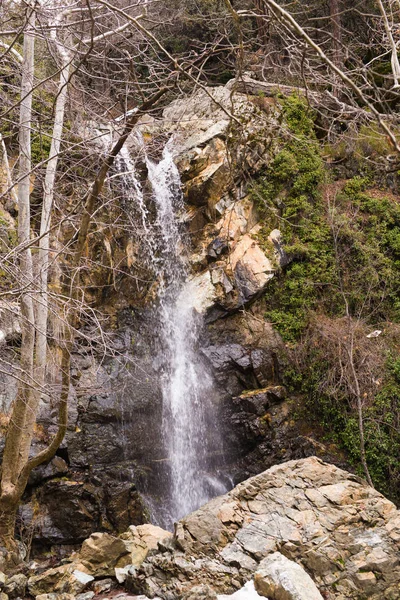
344,246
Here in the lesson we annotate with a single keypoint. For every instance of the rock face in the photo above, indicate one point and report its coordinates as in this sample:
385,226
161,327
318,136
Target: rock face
101,555
215,155
113,451
108,453
344,534
279,578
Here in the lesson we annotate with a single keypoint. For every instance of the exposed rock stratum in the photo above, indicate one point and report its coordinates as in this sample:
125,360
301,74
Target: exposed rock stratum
345,535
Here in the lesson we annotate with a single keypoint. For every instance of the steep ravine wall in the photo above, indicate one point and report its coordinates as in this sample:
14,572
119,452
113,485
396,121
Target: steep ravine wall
111,464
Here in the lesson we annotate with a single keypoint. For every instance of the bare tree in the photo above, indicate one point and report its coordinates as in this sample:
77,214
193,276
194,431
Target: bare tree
77,38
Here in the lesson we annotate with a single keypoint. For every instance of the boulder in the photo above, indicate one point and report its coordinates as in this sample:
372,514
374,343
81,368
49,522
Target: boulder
102,552
329,522
239,268
85,596
66,579
279,578
200,592
247,592
15,586
141,539
251,267
10,329
103,586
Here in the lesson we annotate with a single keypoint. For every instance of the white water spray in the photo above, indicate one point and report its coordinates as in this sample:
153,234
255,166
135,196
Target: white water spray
189,427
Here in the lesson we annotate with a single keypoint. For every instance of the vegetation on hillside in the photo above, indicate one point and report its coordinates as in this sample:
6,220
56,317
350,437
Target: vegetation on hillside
341,285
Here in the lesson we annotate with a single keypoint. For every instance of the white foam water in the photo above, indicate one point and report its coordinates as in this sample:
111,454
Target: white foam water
189,424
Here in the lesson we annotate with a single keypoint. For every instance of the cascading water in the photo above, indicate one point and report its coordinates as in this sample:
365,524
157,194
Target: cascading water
189,426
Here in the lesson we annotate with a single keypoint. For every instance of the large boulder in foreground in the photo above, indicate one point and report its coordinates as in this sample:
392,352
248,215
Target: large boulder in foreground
342,532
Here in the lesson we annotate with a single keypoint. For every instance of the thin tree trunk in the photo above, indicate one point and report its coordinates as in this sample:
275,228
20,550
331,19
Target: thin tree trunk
13,458
7,169
337,40
395,58
42,300
350,354
8,514
262,25
336,31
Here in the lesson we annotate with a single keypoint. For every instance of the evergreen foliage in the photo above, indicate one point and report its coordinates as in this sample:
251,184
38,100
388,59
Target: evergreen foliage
343,241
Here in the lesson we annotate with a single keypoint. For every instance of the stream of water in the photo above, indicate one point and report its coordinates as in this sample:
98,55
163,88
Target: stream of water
189,423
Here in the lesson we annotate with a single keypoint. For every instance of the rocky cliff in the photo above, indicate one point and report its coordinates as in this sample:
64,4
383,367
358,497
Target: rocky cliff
303,530
113,456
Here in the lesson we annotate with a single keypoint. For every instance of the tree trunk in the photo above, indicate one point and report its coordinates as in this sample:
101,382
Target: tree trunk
17,433
42,297
18,437
8,514
395,59
336,31
262,23
337,42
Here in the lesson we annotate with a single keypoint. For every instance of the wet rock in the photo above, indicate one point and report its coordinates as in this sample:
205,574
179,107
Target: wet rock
71,511
279,578
217,247
258,401
203,292
57,467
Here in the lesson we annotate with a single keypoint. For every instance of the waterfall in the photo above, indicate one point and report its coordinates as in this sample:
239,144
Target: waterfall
189,422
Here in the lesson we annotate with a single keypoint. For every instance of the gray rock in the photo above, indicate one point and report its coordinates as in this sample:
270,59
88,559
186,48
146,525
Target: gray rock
60,580
102,552
10,329
300,517
103,586
16,585
200,592
279,578
85,596
62,596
